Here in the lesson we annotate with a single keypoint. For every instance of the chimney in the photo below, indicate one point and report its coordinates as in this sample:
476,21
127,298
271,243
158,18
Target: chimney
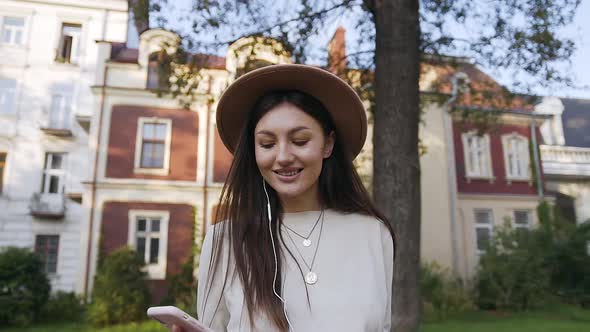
337,52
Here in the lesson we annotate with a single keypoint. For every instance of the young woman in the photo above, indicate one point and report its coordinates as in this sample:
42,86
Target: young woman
300,246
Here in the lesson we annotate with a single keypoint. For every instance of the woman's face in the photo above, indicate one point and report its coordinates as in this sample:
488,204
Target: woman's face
290,147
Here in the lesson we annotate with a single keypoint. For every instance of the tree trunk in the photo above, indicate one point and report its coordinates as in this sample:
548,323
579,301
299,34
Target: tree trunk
396,170
140,9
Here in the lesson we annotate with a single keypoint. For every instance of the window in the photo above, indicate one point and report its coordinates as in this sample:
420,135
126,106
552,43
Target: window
54,174
516,157
2,167
60,112
47,247
522,220
477,155
69,43
13,30
7,93
484,223
148,236
153,145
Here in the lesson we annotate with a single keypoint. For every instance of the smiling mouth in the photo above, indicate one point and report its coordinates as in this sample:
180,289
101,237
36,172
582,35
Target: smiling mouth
289,173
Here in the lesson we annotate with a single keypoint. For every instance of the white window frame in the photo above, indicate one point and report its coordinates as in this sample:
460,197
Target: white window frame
6,91
49,172
523,157
467,151
138,146
65,111
489,226
520,226
23,30
154,271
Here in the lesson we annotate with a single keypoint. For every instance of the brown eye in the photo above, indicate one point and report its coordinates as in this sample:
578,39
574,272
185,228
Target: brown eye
266,145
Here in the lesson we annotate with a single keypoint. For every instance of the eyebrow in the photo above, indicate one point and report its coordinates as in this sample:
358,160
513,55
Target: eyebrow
291,131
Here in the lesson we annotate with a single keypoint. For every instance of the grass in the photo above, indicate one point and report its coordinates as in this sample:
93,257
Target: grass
560,318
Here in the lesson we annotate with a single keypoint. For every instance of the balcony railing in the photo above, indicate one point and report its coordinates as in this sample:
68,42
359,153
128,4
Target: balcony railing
565,160
48,206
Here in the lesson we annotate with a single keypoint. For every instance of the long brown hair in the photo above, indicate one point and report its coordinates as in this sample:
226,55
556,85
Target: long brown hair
242,207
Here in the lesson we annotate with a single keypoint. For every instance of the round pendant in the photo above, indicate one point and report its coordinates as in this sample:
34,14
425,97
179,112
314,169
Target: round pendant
311,278
306,242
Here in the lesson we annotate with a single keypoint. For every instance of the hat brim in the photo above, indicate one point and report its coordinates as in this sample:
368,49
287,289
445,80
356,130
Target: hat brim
345,106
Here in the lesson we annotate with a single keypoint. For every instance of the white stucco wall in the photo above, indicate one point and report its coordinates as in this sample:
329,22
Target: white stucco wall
37,75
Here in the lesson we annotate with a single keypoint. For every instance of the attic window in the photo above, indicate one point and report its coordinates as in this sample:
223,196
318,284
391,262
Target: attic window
154,79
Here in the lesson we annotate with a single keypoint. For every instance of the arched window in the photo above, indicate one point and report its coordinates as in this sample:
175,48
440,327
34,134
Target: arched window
516,156
476,151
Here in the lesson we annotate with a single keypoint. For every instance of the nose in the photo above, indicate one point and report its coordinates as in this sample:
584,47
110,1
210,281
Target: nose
284,155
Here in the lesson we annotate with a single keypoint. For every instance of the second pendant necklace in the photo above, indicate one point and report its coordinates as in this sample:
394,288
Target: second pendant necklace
310,277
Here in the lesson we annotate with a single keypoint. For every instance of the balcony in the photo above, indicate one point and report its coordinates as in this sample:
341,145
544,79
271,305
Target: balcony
48,206
565,161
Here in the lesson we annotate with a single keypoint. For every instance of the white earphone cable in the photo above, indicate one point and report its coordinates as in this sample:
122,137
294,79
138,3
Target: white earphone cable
274,251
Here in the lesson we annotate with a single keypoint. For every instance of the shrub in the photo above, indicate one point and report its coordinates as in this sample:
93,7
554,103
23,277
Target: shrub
570,262
120,293
182,290
62,307
24,287
442,294
513,273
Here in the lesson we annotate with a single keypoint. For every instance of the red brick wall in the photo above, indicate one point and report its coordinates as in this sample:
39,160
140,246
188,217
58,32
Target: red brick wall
500,185
122,137
222,160
115,227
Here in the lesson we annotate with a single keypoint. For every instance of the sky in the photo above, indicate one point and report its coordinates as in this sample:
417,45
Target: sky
579,31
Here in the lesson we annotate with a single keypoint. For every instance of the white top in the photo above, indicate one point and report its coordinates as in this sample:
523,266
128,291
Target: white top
354,267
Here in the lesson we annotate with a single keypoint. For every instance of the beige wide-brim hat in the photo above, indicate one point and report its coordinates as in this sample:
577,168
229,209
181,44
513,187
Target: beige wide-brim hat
339,98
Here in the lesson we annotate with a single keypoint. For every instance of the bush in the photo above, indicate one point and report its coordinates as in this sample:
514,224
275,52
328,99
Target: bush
182,290
24,287
513,273
570,262
442,294
120,293
62,307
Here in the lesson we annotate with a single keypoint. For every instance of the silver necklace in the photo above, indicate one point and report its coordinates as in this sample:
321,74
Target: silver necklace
311,277
306,239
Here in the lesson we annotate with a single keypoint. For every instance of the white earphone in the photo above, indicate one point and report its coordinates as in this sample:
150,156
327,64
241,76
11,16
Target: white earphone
274,251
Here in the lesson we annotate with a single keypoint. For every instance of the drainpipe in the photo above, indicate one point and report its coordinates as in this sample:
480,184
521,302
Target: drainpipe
452,176
540,192
206,175
94,177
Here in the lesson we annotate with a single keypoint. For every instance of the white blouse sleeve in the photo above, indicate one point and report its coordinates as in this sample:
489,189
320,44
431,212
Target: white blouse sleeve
388,256
211,304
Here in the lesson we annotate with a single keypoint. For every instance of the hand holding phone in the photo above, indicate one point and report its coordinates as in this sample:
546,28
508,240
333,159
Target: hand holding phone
170,316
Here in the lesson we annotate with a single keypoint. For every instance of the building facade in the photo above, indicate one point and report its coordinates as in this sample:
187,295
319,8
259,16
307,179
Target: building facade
566,154
94,157
48,57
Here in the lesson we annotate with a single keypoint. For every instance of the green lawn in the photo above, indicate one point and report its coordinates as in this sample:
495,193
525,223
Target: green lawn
559,319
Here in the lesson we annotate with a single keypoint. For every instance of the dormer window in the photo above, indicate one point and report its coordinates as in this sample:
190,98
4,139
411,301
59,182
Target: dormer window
69,44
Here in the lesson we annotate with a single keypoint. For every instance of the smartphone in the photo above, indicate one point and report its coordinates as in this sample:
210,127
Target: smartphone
170,315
